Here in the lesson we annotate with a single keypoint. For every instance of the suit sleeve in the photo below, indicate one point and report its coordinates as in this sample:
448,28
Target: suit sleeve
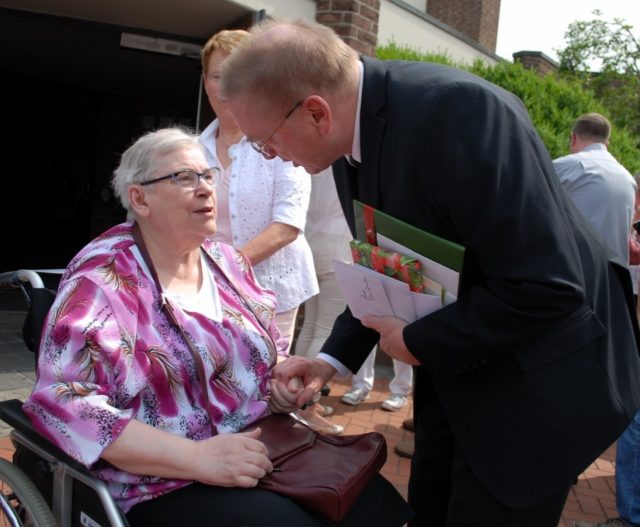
350,342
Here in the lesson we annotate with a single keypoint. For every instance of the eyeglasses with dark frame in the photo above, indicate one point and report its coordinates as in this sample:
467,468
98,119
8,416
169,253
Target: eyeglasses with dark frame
190,179
261,147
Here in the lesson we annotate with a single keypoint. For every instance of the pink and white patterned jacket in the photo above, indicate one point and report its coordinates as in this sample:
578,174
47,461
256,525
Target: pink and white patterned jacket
109,355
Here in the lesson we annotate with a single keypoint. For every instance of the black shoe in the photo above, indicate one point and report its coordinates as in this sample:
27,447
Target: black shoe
407,424
405,448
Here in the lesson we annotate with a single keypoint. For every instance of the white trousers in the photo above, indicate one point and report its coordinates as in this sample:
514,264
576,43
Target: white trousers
320,312
402,376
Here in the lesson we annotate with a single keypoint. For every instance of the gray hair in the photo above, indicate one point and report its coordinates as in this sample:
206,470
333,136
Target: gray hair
140,160
283,62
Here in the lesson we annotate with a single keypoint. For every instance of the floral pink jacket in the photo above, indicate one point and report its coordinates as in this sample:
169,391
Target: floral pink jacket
109,355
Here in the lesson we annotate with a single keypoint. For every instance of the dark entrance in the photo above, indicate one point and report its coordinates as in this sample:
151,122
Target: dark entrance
73,99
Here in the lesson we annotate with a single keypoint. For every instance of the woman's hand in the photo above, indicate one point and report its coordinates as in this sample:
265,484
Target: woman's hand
232,460
312,373
284,397
226,460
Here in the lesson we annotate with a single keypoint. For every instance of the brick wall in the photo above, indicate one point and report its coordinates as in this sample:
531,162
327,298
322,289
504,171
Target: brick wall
356,21
536,61
477,19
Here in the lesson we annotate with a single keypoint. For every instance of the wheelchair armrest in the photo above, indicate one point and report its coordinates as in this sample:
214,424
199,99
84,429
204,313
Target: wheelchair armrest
11,412
91,492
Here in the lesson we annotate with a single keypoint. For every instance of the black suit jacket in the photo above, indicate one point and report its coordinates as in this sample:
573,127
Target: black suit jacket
536,365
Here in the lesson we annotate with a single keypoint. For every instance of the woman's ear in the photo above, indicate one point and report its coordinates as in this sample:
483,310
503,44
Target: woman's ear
320,112
138,200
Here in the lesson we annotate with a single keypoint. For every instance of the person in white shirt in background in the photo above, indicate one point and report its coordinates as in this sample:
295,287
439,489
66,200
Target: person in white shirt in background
329,237
262,203
599,186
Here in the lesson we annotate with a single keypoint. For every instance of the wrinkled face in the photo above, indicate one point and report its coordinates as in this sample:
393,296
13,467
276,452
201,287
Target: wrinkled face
295,134
183,215
212,81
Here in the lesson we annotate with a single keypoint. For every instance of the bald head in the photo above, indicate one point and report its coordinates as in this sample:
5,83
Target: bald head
283,62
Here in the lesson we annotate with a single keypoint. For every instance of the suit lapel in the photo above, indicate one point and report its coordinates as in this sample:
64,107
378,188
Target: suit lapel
371,130
347,185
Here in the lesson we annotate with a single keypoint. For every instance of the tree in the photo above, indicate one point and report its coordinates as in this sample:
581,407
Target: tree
613,48
612,44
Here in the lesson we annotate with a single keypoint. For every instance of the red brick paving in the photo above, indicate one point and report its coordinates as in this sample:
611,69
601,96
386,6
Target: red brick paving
591,499
6,448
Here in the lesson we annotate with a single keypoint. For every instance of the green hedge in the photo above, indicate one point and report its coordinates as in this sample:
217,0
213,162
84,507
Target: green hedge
553,103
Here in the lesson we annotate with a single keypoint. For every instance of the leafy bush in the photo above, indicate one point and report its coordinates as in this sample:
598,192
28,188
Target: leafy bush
553,102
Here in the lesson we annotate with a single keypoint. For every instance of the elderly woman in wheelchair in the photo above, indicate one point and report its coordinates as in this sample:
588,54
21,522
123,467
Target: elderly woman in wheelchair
157,352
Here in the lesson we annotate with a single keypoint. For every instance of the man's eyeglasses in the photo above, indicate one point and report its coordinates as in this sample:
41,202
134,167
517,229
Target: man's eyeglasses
190,179
262,147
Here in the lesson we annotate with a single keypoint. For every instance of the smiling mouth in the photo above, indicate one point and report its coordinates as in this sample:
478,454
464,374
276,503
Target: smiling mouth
205,210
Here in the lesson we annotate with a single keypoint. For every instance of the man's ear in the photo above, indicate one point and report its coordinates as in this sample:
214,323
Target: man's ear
138,200
320,112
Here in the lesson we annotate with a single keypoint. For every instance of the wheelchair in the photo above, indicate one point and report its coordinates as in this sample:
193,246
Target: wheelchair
44,487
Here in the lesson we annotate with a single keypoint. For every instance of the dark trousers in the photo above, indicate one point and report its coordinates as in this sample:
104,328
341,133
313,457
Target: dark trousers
199,505
444,492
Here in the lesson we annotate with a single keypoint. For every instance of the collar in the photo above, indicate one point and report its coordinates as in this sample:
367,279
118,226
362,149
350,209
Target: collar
594,146
208,136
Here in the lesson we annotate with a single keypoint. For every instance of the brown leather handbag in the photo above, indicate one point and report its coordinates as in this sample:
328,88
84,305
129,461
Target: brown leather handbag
323,474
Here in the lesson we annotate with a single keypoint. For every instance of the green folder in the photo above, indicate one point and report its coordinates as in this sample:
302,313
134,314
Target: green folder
440,250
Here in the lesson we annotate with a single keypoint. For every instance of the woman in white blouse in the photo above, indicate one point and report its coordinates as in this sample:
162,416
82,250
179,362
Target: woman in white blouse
262,204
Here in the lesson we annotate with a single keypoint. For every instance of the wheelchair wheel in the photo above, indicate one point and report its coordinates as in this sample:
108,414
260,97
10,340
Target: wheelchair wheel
21,504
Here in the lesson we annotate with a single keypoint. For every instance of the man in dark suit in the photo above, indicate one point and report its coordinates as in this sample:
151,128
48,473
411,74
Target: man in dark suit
534,371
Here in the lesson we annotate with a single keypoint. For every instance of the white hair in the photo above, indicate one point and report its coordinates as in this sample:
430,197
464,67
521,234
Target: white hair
139,161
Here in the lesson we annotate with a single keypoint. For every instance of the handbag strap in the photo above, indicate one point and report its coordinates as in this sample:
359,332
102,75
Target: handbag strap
167,308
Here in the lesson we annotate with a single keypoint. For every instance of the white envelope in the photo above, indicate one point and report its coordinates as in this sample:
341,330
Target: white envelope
398,292
424,304
371,293
363,291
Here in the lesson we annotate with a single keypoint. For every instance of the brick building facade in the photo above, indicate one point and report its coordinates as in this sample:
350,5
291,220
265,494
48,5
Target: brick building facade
356,21
477,19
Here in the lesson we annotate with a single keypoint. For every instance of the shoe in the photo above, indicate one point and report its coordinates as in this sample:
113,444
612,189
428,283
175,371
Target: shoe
405,448
395,402
320,426
324,410
612,522
355,396
326,390
407,424
331,430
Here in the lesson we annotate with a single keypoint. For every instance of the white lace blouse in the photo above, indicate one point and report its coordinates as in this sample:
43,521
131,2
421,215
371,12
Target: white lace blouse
262,192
